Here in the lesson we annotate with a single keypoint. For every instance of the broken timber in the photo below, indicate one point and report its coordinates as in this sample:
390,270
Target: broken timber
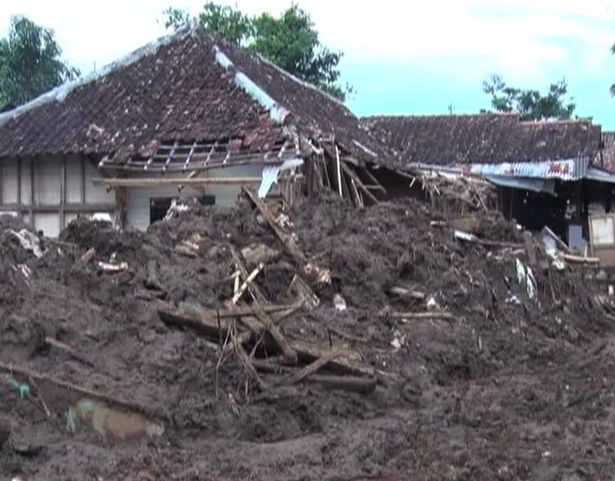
288,242
348,361
28,374
147,182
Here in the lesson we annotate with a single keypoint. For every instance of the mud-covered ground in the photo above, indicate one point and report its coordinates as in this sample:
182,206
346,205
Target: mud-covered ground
515,385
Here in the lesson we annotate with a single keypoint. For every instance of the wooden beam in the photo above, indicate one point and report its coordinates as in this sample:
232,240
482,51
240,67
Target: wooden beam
148,182
19,200
358,183
94,207
287,240
373,179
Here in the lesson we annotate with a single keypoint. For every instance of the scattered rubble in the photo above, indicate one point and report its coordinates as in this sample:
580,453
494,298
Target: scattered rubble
323,342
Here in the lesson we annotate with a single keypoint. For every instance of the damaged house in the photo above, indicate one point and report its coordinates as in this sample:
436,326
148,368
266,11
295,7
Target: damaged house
551,173
187,116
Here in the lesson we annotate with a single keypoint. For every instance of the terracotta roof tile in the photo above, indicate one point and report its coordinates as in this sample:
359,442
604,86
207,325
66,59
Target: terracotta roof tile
483,138
177,90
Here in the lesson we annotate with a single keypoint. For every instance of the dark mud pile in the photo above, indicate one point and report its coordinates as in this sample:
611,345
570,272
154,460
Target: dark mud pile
516,383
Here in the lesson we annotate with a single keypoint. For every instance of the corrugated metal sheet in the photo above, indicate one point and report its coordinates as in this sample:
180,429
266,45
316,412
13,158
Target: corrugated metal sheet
600,175
535,185
569,169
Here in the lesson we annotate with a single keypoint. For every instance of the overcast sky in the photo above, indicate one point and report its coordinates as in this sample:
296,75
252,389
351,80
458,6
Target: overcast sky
402,57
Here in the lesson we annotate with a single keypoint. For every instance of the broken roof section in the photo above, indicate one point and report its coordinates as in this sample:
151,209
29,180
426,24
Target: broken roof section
459,140
190,90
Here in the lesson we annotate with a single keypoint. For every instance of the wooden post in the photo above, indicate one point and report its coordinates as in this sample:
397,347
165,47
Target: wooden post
32,191
82,173
338,171
62,191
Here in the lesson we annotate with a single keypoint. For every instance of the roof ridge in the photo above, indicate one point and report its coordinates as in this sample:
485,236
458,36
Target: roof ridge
425,116
277,111
60,92
300,81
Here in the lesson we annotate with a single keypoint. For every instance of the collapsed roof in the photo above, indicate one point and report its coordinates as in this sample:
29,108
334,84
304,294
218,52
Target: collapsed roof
458,140
188,97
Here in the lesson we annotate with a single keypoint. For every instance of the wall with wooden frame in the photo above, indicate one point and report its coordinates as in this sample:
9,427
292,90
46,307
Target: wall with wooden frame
49,192
137,199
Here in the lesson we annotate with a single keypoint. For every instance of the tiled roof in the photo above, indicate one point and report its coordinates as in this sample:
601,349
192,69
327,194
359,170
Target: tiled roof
186,88
606,158
484,138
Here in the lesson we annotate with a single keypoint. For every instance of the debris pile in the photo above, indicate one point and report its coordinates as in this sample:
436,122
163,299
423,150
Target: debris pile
320,342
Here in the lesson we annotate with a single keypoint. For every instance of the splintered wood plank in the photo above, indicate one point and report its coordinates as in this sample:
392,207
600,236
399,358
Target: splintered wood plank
346,361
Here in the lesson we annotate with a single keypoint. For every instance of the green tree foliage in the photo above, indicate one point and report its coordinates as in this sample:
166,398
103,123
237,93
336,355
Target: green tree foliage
531,104
290,41
30,63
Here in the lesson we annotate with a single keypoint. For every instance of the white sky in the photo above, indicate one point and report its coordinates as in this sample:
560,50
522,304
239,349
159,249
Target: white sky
455,42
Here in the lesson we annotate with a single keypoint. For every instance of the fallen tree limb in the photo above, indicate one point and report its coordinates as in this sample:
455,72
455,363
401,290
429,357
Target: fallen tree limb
207,325
347,362
41,378
363,385
50,341
346,336
313,367
251,310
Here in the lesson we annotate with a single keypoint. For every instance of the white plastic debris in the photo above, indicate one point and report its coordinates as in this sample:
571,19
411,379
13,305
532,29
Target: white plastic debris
432,304
459,234
268,178
525,276
399,340
513,300
175,208
339,302
28,241
559,264
101,216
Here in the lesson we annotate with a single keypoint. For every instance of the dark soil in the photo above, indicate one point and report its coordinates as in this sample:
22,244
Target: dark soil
514,387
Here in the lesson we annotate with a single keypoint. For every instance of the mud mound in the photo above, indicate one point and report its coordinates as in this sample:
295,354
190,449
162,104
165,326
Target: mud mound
440,357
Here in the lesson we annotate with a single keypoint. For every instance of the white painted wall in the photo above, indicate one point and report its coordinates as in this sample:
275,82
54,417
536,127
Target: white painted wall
74,179
138,207
96,193
47,175
47,182
227,194
26,184
48,178
49,223
9,182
